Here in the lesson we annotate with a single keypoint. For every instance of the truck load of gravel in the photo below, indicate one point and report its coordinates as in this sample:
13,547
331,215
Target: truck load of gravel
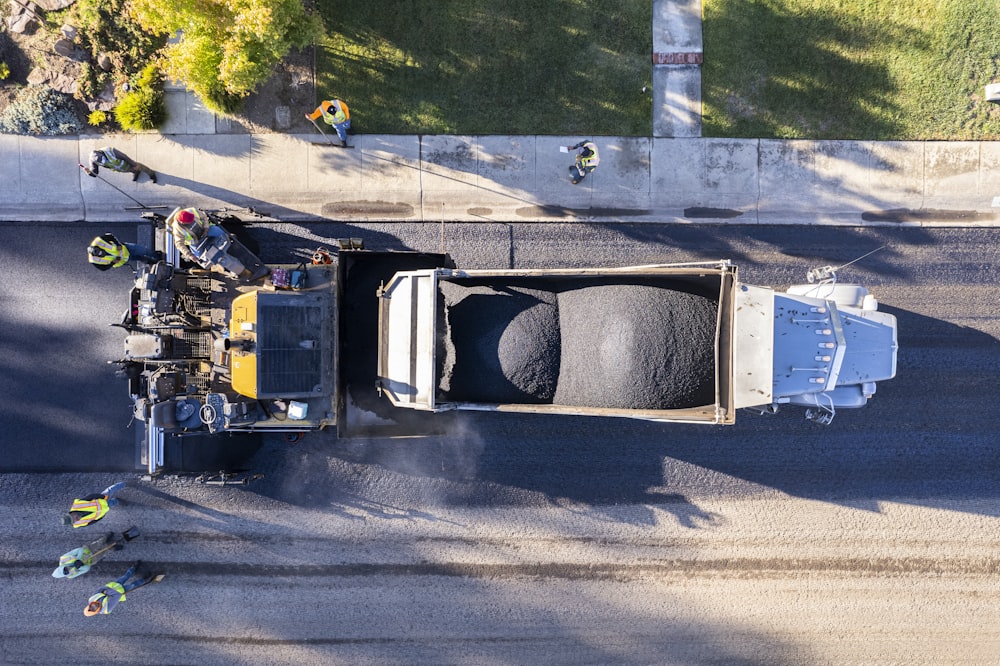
506,346
636,347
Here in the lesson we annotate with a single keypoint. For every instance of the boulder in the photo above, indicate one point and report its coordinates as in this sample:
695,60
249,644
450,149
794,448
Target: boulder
64,47
63,83
68,31
23,19
54,5
104,62
105,100
37,76
282,117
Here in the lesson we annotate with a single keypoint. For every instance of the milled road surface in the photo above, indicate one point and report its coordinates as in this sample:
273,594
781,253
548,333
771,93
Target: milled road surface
769,579
520,539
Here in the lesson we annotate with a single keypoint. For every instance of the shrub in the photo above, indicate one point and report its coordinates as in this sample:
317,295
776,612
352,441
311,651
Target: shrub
143,108
227,47
97,118
40,110
4,71
106,28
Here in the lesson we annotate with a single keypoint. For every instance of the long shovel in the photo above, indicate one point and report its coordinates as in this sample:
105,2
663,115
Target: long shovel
140,206
327,136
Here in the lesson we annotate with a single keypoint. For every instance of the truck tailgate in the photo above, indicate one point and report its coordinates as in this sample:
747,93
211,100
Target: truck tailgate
407,332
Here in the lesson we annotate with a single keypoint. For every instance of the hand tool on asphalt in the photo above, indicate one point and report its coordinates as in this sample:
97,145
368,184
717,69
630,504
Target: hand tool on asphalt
79,560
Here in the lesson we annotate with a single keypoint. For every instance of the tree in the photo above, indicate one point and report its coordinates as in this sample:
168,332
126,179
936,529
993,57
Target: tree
224,49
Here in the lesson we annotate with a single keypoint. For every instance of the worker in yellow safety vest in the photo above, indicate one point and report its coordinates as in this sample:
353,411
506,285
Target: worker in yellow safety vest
587,160
92,508
116,160
334,113
106,252
112,593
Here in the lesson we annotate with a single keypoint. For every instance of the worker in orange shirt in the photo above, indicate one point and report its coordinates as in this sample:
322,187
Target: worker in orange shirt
334,113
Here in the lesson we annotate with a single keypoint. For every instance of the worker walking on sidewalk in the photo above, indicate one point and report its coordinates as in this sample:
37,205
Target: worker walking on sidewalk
111,594
116,160
92,508
106,252
587,160
334,113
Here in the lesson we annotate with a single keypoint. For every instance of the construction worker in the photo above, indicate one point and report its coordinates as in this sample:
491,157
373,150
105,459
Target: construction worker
92,508
116,160
79,560
106,252
587,160
113,593
336,114
189,226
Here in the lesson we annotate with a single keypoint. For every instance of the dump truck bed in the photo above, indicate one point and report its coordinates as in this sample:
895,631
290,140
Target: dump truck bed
650,342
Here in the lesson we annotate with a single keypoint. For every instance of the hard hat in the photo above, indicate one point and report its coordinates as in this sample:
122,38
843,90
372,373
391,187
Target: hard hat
67,519
185,217
93,608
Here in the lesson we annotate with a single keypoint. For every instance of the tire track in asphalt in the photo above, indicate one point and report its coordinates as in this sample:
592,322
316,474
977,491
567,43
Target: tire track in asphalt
724,567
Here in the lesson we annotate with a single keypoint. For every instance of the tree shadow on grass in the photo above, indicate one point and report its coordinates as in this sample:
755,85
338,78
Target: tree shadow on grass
772,73
491,68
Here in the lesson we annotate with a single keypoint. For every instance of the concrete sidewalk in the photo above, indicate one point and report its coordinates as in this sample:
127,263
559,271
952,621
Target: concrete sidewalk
512,178
676,176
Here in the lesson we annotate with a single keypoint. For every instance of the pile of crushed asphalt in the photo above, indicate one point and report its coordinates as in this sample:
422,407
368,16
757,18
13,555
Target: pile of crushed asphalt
584,342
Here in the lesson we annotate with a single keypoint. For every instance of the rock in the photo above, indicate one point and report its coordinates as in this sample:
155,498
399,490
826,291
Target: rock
63,83
100,105
22,22
20,6
68,31
107,93
105,100
64,47
54,5
282,117
37,76
104,62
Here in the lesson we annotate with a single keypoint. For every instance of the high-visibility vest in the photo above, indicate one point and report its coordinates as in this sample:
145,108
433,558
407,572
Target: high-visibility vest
112,254
340,112
593,160
105,598
95,510
182,232
112,161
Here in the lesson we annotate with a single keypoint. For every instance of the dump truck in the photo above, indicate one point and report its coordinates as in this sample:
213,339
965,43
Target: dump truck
687,343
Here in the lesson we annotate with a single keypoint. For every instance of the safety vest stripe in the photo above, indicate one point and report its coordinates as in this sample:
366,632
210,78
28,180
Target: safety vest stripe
112,162
95,510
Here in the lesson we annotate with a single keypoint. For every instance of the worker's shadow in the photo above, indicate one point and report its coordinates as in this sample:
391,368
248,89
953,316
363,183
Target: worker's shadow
160,496
227,197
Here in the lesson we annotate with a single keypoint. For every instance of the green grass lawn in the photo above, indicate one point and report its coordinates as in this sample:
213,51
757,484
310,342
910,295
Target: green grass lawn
489,66
851,69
